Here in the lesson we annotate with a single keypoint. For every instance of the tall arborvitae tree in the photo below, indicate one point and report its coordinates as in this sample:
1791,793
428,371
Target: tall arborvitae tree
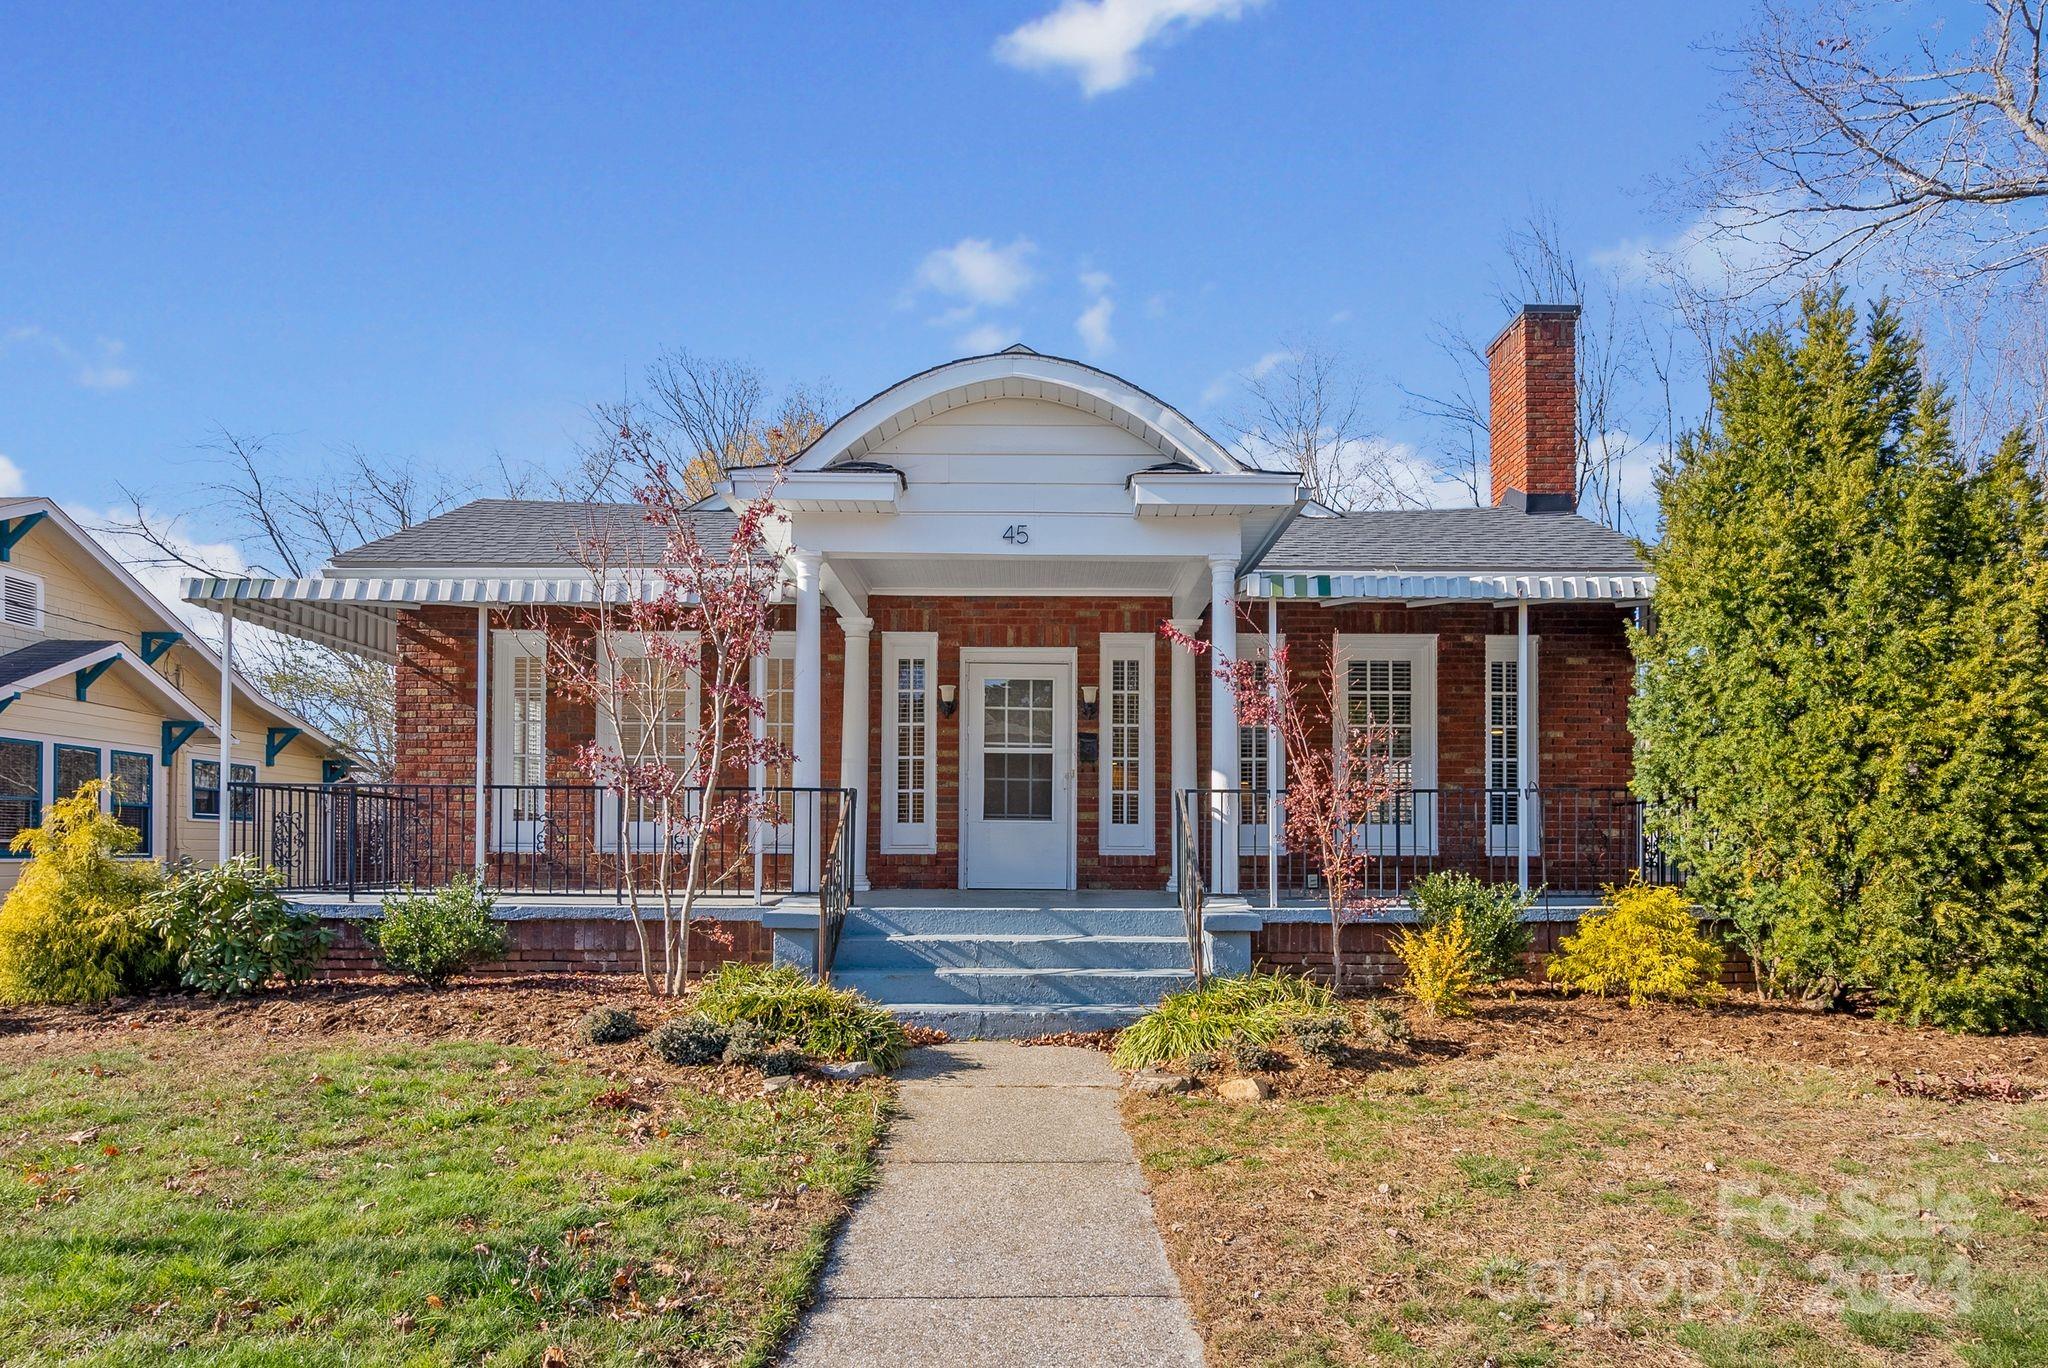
1843,707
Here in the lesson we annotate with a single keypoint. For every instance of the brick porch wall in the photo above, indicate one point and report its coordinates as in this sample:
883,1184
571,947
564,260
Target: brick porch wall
1370,962
559,946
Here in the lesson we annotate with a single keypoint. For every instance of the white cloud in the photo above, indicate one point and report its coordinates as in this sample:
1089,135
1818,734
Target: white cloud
12,482
1219,389
1100,42
162,574
1093,324
97,367
977,272
984,338
1720,250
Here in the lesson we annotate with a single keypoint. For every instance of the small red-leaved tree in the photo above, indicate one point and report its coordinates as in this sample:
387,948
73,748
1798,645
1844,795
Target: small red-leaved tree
1334,791
666,665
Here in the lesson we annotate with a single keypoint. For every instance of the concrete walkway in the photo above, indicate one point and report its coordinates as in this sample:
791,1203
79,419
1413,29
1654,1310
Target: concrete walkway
1010,1225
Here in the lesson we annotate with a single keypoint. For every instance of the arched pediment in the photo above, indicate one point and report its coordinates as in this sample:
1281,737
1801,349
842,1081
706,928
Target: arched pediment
1016,374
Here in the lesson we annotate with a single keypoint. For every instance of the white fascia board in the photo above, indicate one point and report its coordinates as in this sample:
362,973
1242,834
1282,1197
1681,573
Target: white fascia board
1167,494
822,491
150,681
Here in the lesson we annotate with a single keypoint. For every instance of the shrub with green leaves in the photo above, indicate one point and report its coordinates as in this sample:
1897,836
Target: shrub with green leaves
73,927
1645,942
231,931
1322,1037
821,1021
1252,1009
1386,1027
689,1042
434,936
608,1026
1492,913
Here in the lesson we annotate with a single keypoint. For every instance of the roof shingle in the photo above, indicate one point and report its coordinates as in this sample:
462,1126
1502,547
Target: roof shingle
529,532
49,654
1395,541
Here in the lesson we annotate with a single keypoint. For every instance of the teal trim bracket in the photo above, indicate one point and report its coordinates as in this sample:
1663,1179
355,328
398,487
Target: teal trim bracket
275,742
331,771
177,734
13,530
155,644
90,675
9,699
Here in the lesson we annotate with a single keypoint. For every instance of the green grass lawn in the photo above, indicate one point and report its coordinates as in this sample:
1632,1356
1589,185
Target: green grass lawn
193,1198
1596,1188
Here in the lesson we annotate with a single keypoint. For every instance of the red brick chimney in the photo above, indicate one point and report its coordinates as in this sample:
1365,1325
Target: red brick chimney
1534,422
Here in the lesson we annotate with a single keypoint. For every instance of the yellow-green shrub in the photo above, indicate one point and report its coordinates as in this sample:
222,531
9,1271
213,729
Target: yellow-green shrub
1646,941
73,927
1443,964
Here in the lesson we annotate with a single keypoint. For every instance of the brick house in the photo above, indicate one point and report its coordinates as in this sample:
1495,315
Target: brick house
998,760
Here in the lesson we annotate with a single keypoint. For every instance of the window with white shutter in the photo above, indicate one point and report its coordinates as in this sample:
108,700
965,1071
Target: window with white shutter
1390,687
910,693
1504,778
1124,712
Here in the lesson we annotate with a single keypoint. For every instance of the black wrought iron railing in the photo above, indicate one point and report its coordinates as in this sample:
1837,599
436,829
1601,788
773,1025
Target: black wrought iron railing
835,889
546,839
1579,841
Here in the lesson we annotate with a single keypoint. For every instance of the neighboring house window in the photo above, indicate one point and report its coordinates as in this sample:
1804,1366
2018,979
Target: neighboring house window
1504,740
21,600
133,794
77,766
1390,686
206,790
1125,713
910,662
21,790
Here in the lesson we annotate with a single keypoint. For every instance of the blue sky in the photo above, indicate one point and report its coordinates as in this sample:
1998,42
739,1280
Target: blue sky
442,235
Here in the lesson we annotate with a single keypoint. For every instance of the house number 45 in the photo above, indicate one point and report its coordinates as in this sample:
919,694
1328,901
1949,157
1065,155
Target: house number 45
1017,534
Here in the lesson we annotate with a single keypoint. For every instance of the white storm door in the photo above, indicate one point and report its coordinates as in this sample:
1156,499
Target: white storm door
1017,800
519,740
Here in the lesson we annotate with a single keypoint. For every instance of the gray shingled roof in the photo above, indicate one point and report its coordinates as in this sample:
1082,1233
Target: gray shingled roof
528,532
1400,540
44,655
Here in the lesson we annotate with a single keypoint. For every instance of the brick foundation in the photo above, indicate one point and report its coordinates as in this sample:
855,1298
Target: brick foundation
1370,962
560,946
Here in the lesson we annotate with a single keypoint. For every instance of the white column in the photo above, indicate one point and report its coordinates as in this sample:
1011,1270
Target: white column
853,739
1223,727
1273,822
227,727
483,713
1184,760
1525,731
808,731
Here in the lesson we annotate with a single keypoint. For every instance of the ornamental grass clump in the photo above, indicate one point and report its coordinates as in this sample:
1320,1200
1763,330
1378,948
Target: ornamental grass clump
1645,942
1491,912
1443,966
821,1021
73,928
1220,1017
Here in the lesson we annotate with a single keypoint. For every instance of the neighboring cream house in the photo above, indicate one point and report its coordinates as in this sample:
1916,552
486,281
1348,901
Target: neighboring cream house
99,680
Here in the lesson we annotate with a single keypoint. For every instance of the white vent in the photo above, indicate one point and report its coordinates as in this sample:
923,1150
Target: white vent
22,596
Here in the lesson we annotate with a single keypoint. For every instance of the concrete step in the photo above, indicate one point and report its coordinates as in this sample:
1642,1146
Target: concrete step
1048,988
1011,952
965,1022
1014,921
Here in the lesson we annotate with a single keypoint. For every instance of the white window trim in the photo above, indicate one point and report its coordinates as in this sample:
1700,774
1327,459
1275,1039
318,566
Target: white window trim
35,582
772,835
1500,838
909,838
1252,837
1420,650
509,834
1125,839
633,645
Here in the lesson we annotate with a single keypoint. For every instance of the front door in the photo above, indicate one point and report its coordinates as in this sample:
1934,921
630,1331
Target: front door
1017,795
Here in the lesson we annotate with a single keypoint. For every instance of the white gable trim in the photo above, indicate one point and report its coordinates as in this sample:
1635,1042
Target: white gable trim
1017,375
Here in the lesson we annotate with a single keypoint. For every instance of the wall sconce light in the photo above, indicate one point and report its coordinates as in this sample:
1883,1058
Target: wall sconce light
946,701
1088,692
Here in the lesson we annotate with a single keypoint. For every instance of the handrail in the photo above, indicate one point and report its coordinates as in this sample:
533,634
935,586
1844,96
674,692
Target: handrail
1188,881
835,887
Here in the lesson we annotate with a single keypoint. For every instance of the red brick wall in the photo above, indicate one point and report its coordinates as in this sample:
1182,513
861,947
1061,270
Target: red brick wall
1370,962
1022,621
562,946
1534,408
